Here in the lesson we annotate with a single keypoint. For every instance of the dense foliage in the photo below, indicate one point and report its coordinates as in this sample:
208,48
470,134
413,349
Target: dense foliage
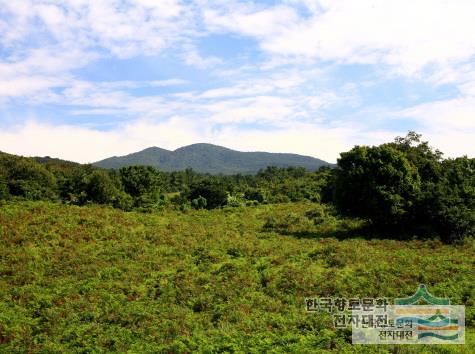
230,280
145,188
406,188
222,263
25,178
377,183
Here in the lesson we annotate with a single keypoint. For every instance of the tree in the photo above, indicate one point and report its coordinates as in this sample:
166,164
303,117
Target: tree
100,188
140,180
406,186
255,194
450,204
376,183
88,184
421,155
26,178
144,184
213,192
199,203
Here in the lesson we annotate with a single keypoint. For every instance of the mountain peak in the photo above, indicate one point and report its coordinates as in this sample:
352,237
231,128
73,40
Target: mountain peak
210,158
202,146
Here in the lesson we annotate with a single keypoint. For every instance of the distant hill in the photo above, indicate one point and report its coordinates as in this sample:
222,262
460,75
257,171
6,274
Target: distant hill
208,158
46,160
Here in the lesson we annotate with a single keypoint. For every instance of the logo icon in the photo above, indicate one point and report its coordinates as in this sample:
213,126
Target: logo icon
431,315
417,319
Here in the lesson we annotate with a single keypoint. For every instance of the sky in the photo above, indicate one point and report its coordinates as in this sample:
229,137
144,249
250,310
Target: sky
84,80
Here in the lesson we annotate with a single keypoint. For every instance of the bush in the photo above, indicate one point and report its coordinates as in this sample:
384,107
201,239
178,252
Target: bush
234,201
140,180
377,183
4,191
26,178
450,205
143,183
123,201
406,188
320,214
255,194
199,203
288,223
215,193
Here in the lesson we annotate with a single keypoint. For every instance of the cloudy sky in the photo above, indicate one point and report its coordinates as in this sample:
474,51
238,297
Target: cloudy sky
84,80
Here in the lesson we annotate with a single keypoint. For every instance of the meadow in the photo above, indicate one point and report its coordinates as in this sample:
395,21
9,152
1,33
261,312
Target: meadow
93,279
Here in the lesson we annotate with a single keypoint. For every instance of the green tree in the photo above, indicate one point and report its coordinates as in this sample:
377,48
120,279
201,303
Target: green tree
214,192
26,178
140,180
450,204
377,183
90,185
199,203
100,188
421,155
144,184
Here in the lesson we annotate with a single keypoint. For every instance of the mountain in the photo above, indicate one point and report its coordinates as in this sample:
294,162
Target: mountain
208,158
52,161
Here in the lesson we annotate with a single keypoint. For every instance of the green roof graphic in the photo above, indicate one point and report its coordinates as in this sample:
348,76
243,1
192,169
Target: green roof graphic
423,294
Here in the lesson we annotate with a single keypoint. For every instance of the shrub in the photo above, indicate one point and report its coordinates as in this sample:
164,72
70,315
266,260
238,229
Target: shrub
234,201
406,188
288,223
26,178
377,183
140,180
450,203
255,194
4,191
199,203
215,193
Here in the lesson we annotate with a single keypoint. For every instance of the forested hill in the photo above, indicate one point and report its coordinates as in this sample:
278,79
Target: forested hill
208,158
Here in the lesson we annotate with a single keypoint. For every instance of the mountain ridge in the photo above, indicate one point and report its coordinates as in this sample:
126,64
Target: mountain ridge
211,158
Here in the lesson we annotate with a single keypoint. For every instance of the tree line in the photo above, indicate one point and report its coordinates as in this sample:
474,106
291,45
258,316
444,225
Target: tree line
404,187
146,188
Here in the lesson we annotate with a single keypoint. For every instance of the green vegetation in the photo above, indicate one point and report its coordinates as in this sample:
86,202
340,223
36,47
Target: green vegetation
144,261
97,280
405,188
213,159
147,189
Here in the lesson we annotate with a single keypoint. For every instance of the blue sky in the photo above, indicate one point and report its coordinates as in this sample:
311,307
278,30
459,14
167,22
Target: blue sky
84,80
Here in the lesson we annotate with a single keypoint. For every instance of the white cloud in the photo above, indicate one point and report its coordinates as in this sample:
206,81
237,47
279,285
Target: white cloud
405,34
168,82
250,20
447,115
124,28
192,57
45,38
43,42
68,142
251,110
27,85
452,143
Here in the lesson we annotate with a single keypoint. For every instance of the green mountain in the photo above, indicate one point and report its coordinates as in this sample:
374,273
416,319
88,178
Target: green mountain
208,158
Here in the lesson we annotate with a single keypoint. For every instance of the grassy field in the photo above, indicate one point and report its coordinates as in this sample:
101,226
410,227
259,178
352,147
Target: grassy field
94,279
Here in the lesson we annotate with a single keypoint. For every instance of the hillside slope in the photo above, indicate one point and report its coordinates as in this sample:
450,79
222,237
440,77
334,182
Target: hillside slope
208,158
97,280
